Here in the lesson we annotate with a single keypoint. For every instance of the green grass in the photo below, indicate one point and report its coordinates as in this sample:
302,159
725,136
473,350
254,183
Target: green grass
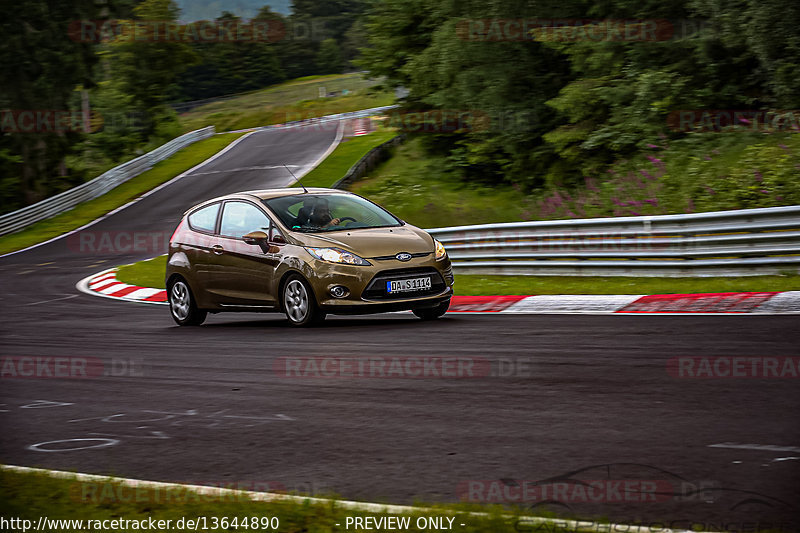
349,151
294,100
150,273
705,172
30,496
88,211
413,187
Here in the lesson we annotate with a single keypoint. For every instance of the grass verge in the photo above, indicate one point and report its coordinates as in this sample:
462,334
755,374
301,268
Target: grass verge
88,211
706,172
349,151
294,100
412,186
31,496
150,273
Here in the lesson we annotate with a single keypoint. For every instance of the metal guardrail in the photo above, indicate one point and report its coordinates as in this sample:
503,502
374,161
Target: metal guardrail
722,243
100,185
55,205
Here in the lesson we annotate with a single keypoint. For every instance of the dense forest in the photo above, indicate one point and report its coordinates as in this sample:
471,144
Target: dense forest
563,104
553,91
126,62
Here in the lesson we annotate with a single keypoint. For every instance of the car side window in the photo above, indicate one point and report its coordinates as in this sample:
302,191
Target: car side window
204,219
240,218
275,231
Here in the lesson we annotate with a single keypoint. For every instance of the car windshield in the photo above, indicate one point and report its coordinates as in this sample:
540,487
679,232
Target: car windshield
313,213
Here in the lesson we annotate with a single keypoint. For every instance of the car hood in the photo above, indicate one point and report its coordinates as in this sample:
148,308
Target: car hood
372,242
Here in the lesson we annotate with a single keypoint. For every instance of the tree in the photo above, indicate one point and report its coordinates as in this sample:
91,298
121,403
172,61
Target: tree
42,65
229,67
329,58
148,69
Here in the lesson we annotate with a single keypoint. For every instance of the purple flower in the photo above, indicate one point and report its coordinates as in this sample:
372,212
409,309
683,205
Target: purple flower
653,146
744,121
759,177
779,198
784,147
652,201
635,213
715,151
710,190
647,175
616,201
707,157
764,191
654,160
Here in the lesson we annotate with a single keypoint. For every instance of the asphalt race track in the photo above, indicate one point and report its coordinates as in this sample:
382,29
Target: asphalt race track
566,396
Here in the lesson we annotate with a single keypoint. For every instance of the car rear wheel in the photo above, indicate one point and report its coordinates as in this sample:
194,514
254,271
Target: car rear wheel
432,313
298,303
182,306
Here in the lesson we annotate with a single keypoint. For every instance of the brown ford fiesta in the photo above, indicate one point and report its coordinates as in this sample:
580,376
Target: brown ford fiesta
304,253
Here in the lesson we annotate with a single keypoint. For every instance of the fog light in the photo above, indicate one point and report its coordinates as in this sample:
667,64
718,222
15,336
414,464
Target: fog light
339,291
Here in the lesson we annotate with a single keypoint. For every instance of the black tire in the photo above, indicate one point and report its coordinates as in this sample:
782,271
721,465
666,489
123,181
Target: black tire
299,303
182,305
432,313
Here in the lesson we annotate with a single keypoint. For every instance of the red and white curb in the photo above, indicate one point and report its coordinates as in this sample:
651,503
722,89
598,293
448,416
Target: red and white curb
362,126
105,284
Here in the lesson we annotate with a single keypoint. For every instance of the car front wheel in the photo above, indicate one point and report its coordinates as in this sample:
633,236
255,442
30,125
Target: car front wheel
182,306
299,304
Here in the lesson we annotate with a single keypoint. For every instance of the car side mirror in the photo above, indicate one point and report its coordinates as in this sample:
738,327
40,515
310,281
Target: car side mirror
255,238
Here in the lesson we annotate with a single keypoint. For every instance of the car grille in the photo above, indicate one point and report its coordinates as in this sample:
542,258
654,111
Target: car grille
376,289
394,257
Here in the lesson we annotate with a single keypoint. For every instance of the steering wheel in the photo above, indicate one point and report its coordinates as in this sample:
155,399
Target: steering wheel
342,219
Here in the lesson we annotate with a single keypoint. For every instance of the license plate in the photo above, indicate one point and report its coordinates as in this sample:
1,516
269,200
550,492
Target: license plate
408,285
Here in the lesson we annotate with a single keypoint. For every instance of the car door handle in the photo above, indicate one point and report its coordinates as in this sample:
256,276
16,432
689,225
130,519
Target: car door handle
218,249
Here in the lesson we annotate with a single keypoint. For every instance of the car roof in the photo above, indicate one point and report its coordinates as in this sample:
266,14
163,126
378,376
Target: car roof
267,194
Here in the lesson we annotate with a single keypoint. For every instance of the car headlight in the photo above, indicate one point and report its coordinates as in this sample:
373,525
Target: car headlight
440,252
334,255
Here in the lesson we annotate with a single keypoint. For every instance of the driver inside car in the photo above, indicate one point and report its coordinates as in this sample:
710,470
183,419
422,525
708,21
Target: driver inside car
316,212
